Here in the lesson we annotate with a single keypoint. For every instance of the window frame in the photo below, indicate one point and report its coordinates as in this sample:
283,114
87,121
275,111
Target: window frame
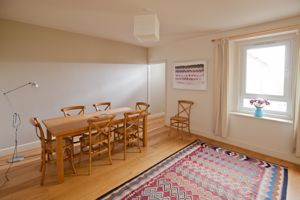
286,40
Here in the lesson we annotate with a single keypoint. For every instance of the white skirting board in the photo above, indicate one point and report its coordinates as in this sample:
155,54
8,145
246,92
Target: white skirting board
155,115
22,147
288,157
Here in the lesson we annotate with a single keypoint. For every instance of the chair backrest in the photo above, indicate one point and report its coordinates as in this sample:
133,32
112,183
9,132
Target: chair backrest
142,106
78,110
184,108
133,119
99,125
100,106
38,131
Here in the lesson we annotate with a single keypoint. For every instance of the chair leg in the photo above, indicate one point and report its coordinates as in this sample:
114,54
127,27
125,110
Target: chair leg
181,131
113,146
99,150
125,145
80,154
90,160
50,157
71,159
43,171
109,153
42,156
170,128
138,143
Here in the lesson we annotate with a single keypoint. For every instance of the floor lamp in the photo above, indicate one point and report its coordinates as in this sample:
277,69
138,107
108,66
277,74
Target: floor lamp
17,122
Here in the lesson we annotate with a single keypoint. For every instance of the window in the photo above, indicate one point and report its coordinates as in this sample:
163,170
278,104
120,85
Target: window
266,72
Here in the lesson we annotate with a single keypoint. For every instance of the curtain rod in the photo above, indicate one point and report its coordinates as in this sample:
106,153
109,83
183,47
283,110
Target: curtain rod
258,33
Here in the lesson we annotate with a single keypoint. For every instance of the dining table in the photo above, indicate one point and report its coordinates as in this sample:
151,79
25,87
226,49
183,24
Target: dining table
61,127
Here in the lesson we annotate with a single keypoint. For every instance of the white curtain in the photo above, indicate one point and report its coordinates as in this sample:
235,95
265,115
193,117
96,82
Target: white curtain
221,81
297,107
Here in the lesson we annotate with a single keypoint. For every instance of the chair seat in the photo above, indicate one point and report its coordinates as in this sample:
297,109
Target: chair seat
51,145
131,130
179,118
95,147
96,138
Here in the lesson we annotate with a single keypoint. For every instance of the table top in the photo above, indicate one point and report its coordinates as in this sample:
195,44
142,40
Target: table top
77,124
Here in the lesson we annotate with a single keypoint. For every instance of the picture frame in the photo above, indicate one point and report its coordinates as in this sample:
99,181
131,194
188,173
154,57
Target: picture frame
190,75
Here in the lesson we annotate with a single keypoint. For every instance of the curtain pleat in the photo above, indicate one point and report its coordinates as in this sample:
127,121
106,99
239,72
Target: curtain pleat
297,107
221,87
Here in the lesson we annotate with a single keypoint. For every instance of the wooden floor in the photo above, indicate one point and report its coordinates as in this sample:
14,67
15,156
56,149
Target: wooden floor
25,176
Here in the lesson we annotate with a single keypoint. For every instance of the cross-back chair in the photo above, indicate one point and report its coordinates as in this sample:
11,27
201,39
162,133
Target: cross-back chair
98,139
142,106
101,106
48,147
129,133
69,111
182,119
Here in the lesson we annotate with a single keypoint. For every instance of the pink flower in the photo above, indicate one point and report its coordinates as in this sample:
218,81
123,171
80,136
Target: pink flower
259,102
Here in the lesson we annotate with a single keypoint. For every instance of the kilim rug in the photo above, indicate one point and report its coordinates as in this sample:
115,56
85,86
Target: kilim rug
201,171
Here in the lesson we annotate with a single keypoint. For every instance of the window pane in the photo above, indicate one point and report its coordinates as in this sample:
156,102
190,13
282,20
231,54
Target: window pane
265,68
278,106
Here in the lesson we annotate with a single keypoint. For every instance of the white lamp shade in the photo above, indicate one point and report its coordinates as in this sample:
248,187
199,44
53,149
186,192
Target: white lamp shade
146,28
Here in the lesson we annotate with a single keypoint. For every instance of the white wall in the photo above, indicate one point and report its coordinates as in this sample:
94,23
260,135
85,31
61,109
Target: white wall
269,137
157,88
71,69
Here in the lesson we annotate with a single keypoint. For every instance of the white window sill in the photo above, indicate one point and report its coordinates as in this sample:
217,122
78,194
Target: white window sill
262,118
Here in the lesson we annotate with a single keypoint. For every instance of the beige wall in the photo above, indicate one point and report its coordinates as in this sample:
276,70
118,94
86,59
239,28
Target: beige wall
269,137
24,42
71,69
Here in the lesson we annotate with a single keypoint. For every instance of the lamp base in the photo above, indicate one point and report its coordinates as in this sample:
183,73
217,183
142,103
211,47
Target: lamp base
15,159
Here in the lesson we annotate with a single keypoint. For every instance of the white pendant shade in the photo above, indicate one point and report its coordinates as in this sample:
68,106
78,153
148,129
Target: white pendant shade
146,28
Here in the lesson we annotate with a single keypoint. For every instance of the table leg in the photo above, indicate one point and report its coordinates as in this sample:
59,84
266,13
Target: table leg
145,131
59,159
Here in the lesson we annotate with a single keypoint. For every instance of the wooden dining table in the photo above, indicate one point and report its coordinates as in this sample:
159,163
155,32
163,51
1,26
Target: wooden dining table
61,127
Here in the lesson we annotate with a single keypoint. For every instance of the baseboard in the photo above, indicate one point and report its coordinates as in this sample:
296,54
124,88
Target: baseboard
22,147
156,115
287,157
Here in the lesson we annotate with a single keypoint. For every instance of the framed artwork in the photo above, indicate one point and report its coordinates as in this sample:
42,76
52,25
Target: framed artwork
190,75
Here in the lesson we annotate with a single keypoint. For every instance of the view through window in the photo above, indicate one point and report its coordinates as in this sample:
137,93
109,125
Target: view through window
266,73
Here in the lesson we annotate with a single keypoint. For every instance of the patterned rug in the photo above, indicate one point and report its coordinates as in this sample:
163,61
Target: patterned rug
201,171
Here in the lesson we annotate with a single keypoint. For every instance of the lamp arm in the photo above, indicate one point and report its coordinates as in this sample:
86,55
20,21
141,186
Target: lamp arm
21,86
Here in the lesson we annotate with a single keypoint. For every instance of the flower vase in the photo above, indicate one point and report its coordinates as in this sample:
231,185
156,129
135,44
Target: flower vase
258,111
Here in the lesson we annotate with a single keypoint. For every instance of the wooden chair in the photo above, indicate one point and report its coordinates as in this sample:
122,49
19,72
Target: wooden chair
100,106
70,111
79,110
99,138
142,106
182,118
129,132
48,147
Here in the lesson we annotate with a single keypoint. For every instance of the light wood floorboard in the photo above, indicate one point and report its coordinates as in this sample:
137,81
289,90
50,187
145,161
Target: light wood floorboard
25,176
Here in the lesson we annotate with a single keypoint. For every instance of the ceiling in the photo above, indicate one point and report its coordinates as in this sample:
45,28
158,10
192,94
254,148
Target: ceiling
113,19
